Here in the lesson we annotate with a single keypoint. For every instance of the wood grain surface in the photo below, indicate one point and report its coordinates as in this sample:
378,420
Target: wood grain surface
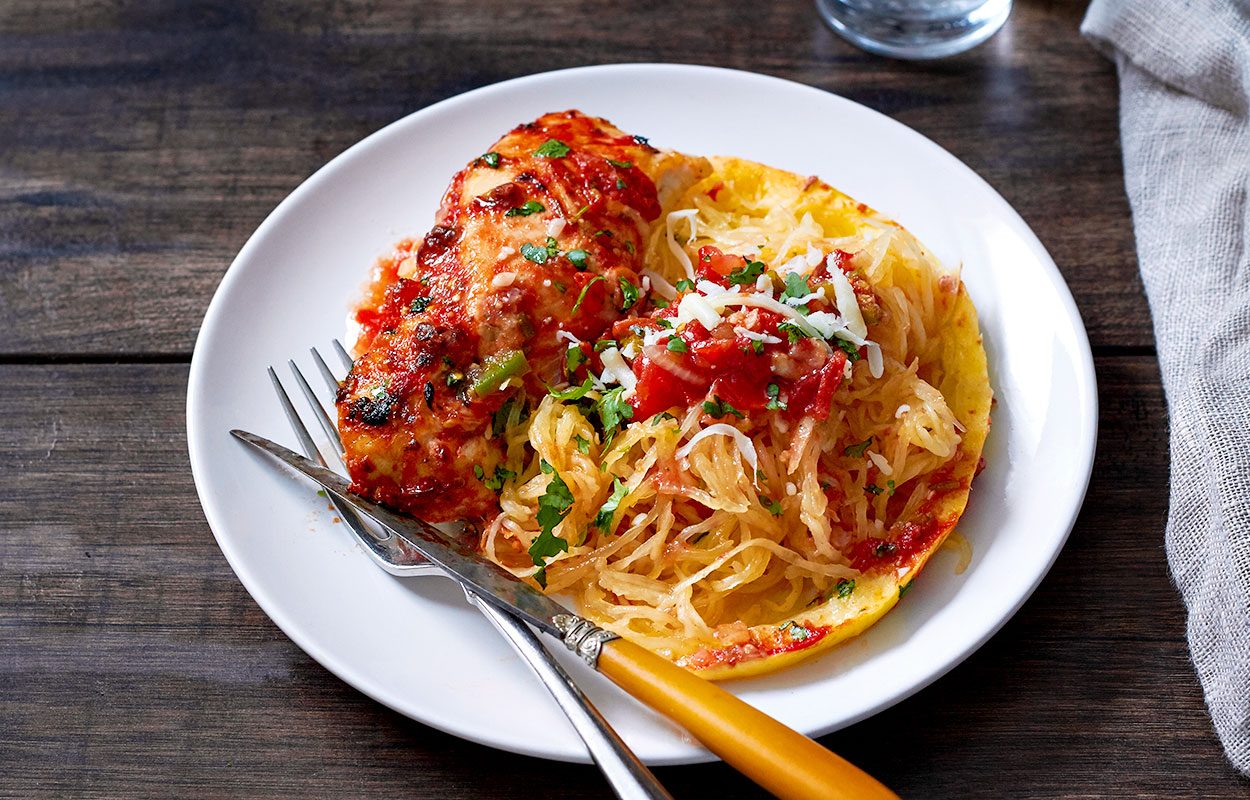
142,142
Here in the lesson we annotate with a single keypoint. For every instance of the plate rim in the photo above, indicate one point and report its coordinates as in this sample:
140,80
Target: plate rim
1084,373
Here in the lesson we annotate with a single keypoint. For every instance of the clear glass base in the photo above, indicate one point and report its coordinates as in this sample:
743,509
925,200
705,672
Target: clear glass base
915,29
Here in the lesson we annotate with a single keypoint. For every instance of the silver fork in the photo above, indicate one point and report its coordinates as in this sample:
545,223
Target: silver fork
629,777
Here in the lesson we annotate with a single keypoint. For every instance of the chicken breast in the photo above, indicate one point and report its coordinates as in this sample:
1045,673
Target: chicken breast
543,233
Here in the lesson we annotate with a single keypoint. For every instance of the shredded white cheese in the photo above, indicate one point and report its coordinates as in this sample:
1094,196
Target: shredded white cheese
502,279
881,463
568,337
901,410
695,307
505,252
741,441
615,370
660,286
555,227
848,305
819,294
766,338
876,364
814,256
670,229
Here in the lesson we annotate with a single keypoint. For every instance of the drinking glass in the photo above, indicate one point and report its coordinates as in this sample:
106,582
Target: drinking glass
915,29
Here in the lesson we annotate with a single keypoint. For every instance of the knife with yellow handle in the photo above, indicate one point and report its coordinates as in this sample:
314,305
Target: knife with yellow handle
780,759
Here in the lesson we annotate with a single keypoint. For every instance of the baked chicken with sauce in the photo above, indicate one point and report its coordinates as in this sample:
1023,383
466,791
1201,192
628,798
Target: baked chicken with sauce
541,235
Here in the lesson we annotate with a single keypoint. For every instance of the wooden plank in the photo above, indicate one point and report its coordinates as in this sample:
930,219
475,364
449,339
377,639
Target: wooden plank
135,665
143,142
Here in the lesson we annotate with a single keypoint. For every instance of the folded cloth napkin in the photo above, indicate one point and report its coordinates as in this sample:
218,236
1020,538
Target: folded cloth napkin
1185,126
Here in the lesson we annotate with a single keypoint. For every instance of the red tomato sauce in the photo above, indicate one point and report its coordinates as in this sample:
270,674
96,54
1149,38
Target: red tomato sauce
759,647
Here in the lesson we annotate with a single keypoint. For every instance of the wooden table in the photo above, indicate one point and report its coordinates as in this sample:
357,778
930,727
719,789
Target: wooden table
142,142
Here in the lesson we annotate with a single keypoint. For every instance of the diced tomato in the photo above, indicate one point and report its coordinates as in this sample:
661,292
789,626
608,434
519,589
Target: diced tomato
715,266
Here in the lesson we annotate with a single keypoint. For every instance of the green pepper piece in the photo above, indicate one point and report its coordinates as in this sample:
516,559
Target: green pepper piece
499,368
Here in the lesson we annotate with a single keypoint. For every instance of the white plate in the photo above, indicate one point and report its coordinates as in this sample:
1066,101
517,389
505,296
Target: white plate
414,644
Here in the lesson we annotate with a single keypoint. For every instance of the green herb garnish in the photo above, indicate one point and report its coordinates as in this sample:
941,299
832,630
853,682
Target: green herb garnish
586,289
603,520
530,207
552,148
677,345
857,450
419,305
613,410
553,507
629,291
793,332
719,408
573,392
577,258
774,391
748,274
491,159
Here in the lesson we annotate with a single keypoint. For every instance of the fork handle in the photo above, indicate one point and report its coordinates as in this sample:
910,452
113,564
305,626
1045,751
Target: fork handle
778,758
629,778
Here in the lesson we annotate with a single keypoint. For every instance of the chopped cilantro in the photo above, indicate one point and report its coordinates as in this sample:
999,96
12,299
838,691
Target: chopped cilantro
719,408
499,421
852,352
884,549
774,508
630,247
478,471
664,323
583,444
663,415
621,164
574,357
889,485
577,258
749,272
586,289
552,148
796,631
530,207
495,482
629,291
684,285
902,590
793,332
757,346
774,391
553,507
641,139
873,489
604,344
491,159
613,410
620,184
844,587
857,450
573,392
418,305
603,520
796,286
658,302
534,253
677,345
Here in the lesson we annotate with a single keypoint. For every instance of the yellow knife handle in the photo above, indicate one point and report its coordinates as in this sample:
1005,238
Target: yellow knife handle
782,760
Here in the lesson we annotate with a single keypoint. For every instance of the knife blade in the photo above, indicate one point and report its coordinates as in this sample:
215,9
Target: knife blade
458,559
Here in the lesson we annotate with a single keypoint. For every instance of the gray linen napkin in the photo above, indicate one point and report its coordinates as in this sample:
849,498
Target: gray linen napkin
1185,126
